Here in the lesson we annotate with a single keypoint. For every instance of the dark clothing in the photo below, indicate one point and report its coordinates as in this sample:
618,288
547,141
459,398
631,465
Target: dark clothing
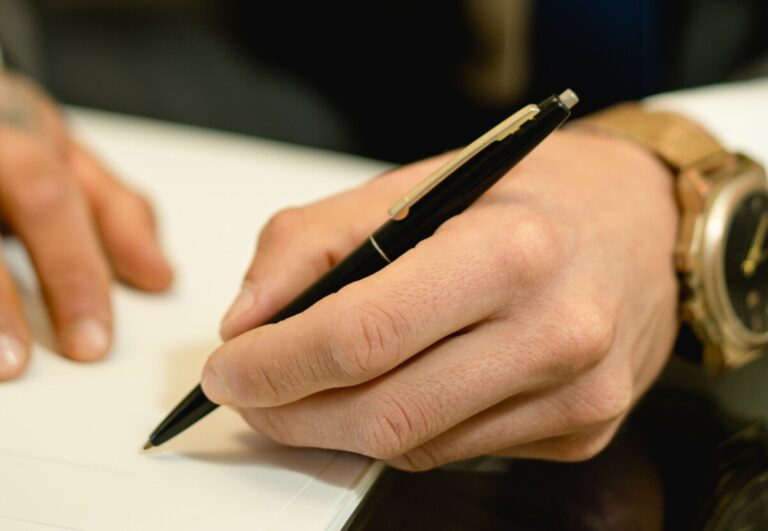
385,80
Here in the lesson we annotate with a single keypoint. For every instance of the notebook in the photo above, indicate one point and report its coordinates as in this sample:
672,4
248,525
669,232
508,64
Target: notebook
70,433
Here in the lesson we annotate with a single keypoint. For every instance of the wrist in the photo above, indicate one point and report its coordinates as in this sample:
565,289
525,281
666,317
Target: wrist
722,197
641,163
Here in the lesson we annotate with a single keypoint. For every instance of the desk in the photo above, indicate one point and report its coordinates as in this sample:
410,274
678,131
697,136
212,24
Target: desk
70,432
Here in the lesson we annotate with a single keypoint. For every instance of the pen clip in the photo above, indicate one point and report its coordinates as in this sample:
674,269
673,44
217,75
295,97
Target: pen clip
509,126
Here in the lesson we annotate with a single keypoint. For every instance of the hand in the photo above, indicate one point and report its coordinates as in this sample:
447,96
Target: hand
78,224
526,326
756,253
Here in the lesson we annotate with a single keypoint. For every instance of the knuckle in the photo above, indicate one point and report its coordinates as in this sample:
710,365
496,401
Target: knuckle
75,287
269,381
283,224
36,196
387,429
367,337
274,381
261,379
250,380
606,400
270,424
612,398
585,338
583,447
419,459
530,250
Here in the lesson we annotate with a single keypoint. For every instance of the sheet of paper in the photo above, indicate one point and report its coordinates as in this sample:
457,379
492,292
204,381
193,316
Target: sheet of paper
69,433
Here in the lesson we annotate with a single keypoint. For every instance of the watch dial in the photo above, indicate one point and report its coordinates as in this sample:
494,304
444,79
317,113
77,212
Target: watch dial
746,262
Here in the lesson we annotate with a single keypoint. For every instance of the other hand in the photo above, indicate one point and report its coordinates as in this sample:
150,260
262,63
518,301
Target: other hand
79,224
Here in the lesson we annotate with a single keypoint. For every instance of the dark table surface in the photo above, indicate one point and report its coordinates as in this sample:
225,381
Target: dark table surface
678,463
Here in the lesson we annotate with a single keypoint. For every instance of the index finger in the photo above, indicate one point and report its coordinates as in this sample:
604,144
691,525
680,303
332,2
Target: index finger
364,330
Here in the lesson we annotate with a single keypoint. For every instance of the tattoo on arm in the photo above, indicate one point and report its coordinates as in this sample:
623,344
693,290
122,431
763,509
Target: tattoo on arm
17,106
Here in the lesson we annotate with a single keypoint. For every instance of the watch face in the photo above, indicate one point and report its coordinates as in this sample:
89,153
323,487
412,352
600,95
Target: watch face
746,262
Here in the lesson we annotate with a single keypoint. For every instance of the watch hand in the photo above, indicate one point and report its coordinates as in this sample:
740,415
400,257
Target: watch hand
754,255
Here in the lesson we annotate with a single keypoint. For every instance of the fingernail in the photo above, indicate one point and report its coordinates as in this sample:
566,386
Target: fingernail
11,356
88,339
214,387
243,302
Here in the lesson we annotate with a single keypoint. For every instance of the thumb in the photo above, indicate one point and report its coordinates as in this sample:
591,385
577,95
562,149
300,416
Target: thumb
298,245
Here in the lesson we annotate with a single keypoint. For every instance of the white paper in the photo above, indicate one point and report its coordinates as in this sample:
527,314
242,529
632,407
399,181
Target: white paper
69,433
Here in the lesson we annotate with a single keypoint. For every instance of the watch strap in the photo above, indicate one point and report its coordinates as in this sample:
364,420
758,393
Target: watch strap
679,142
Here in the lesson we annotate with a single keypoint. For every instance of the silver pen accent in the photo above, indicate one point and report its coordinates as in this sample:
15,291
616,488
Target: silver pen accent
379,249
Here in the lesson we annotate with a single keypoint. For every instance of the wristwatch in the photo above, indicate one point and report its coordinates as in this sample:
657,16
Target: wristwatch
721,255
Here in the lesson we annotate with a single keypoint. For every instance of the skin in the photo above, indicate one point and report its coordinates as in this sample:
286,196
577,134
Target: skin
527,326
81,227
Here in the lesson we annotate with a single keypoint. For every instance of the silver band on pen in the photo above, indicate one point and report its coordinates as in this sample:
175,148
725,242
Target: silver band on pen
379,249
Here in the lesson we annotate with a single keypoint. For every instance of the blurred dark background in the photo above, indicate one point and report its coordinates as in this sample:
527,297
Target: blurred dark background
394,79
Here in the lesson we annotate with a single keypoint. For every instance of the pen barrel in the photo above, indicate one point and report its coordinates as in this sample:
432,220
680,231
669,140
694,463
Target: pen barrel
192,408
360,263
468,182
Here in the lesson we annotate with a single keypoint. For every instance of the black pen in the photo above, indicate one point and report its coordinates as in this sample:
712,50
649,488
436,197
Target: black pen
445,193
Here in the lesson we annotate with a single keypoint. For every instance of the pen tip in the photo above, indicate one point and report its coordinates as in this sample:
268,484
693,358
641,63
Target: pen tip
147,446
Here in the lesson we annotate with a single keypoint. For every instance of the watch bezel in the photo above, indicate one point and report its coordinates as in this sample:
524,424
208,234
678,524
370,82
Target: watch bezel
732,185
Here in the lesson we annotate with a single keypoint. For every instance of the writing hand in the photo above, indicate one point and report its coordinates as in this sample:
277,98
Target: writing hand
526,326
75,220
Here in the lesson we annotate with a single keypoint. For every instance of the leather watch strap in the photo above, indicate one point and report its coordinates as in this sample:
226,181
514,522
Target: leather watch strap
677,141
